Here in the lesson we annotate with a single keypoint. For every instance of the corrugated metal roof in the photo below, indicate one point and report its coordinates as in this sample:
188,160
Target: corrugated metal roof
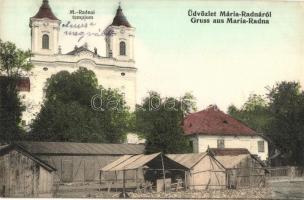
189,160
133,162
4,149
116,162
70,148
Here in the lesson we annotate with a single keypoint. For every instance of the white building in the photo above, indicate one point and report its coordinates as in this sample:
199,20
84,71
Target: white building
114,70
214,129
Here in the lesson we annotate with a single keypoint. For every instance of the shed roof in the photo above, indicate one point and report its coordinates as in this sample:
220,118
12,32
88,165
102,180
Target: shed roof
189,160
70,148
231,161
213,121
152,161
228,151
4,149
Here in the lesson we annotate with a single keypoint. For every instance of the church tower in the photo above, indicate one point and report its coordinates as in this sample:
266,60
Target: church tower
119,38
44,31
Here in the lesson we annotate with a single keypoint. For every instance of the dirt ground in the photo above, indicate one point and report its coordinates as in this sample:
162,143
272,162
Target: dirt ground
281,189
90,191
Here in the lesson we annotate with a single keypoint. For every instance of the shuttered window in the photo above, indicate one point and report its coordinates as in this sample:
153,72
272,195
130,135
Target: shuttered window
261,147
221,143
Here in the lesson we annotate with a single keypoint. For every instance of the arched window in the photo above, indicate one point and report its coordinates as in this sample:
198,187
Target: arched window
45,41
122,48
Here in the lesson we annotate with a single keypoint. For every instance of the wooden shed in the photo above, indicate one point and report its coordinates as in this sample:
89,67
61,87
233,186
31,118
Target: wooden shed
23,174
243,170
141,169
205,171
79,162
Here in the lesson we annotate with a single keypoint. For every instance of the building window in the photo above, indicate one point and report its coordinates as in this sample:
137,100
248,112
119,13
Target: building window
122,48
23,84
191,145
45,41
23,122
221,143
261,147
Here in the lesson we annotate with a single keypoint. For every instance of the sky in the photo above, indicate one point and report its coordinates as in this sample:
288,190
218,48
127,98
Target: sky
220,64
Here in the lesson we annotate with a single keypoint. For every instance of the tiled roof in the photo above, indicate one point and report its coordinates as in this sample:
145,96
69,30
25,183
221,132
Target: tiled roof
71,148
213,121
45,11
120,19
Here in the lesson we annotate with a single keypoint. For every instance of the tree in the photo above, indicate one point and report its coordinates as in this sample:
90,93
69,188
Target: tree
254,113
286,127
14,63
76,109
279,116
159,120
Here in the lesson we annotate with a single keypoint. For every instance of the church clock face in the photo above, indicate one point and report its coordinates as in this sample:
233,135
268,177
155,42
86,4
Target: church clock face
122,31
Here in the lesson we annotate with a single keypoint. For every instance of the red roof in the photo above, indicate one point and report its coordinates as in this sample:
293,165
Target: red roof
229,151
45,11
213,121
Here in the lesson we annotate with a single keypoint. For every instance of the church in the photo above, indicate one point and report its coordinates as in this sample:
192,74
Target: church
114,70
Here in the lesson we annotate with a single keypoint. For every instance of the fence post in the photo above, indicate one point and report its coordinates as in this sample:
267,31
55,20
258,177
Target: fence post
292,172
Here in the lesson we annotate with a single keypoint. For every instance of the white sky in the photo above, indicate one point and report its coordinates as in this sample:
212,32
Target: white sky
219,63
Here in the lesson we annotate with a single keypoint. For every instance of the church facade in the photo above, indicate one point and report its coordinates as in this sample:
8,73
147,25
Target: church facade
114,70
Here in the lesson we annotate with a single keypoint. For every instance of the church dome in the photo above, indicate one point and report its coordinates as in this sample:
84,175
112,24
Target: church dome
45,11
120,19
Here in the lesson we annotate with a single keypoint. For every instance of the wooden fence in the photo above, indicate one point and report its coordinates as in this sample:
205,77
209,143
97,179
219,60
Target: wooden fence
287,171
245,177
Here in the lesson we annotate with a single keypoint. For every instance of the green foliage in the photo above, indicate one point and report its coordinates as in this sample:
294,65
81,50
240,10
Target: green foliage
10,110
159,120
254,112
13,64
13,61
286,128
76,109
280,117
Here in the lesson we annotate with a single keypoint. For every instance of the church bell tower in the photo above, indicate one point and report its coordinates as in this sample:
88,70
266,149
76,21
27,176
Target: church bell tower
119,38
44,31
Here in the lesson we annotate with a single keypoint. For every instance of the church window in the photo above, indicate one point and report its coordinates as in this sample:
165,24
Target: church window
122,48
45,41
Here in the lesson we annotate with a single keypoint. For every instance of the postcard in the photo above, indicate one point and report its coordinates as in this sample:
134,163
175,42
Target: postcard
152,99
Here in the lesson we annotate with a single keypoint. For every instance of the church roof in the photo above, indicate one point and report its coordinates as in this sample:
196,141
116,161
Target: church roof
120,19
213,121
45,11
